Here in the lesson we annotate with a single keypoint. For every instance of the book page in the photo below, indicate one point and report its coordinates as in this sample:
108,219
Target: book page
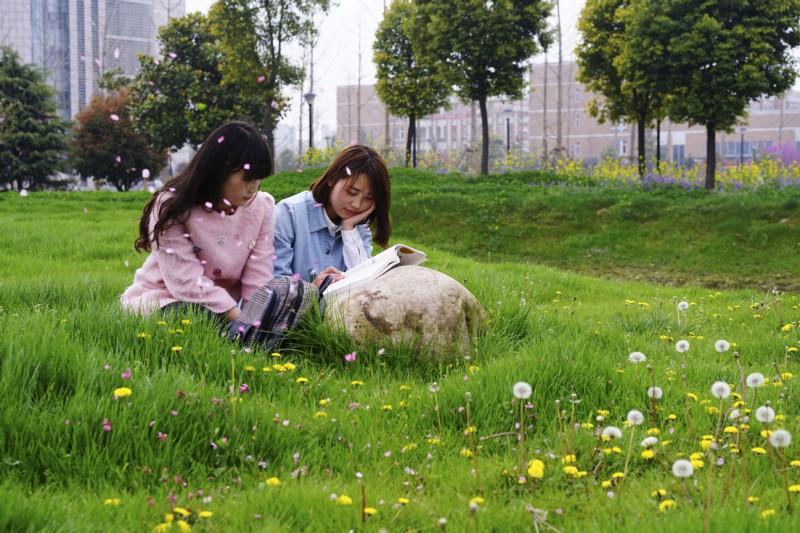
376,266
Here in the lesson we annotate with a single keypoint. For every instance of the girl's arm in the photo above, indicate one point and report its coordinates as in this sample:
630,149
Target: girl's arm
354,249
284,240
258,269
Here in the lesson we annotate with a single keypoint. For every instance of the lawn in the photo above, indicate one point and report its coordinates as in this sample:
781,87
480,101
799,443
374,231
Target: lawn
114,422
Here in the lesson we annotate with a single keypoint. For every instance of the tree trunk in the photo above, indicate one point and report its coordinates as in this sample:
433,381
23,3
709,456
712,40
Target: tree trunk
658,145
640,140
711,156
484,134
269,133
409,138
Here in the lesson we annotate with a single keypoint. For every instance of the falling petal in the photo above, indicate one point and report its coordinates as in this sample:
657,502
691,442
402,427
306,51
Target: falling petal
220,139
98,63
173,55
261,79
83,58
23,193
118,159
318,204
114,117
274,104
226,201
209,205
145,173
246,166
116,53
349,172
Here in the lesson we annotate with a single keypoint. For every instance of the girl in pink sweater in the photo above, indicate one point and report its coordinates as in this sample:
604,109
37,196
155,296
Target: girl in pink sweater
209,230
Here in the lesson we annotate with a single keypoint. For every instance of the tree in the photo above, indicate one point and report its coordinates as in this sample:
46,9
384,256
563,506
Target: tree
180,98
719,55
106,145
253,36
482,48
623,81
33,138
406,83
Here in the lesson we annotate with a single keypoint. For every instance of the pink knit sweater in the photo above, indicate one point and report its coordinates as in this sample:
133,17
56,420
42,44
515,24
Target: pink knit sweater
211,260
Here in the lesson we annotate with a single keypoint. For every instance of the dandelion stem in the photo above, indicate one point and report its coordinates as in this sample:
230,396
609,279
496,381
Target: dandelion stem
741,376
522,433
438,414
686,406
233,385
686,490
628,456
363,504
472,448
653,395
710,479
785,479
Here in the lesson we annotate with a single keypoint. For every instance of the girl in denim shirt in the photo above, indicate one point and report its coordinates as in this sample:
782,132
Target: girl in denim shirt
330,228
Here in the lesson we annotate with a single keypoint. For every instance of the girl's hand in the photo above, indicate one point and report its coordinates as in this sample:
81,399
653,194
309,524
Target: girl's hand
330,271
233,314
350,223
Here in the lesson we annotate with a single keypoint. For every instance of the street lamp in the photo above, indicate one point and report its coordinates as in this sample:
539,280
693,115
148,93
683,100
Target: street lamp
741,146
309,97
507,112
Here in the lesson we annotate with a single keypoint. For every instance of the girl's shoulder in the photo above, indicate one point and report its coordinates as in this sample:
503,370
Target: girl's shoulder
300,198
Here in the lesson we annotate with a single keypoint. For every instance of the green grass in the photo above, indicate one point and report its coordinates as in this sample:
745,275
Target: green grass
64,345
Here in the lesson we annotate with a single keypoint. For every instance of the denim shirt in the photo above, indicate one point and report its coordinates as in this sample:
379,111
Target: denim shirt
303,244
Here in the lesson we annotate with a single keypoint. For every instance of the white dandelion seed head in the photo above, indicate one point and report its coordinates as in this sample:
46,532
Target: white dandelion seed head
655,393
721,390
683,305
434,387
636,357
765,414
780,438
612,432
682,468
734,414
635,417
755,380
522,390
682,346
599,419
649,442
722,345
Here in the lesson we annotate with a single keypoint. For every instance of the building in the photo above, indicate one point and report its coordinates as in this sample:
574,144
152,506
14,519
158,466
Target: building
76,41
534,124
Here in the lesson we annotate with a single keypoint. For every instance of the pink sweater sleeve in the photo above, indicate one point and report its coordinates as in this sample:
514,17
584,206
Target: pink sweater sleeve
258,270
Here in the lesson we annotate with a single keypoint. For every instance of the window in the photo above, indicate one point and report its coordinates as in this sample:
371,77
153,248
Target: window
577,122
577,95
623,148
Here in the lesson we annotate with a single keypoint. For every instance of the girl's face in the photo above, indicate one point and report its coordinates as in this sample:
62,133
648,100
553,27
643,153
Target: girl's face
349,197
237,191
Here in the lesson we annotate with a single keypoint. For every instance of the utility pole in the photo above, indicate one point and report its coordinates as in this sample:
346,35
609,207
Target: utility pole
559,147
358,94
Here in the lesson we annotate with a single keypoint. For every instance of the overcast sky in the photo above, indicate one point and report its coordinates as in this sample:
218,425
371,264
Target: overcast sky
349,27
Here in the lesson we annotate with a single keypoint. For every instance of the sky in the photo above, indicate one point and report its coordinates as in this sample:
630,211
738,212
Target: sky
349,28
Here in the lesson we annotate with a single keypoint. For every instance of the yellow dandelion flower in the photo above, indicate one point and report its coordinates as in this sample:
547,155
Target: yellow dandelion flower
249,368
470,430
369,511
143,335
780,417
787,327
273,482
667,505
568,459
405,387
186,322
648,454
758,450
698,464
587,425
122,392
301,380
712,409
161,323
324,401
672,416
766,513
184,526
691,396
606,484
658,493
665,443
403,501
654,431
266,370
766,433
796,462
792,349
536,469
696,456
177,348
275,354
570,470
279,368
478,500
403,403
731,429
344,500
787,375
289,366
472,369
114,502
162,528
753,499
409,447
357,383
205,514
434,441
794,488
181,511
465,452
320,414
603,412
386,407
607,451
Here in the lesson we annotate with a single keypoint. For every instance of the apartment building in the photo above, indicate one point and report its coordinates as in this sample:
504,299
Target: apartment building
553,110
76,41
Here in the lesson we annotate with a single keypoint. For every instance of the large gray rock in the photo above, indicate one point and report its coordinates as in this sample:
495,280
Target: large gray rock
411,305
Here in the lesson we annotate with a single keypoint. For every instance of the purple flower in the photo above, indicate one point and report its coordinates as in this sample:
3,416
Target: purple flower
350,357
107,424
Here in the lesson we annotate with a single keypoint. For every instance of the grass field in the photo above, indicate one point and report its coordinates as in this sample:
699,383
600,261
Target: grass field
111,422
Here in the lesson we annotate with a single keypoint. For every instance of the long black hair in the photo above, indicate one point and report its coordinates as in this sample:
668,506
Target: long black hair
232,147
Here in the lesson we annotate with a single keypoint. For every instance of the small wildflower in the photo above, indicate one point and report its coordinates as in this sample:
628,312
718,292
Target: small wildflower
273,482
536,469
766,513
478,500
648,454
301,380
177,348
344,500
658,493
758,450
666,505
369,511
122,392
114,502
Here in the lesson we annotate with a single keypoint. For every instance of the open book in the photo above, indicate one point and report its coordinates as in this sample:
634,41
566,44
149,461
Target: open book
377,265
